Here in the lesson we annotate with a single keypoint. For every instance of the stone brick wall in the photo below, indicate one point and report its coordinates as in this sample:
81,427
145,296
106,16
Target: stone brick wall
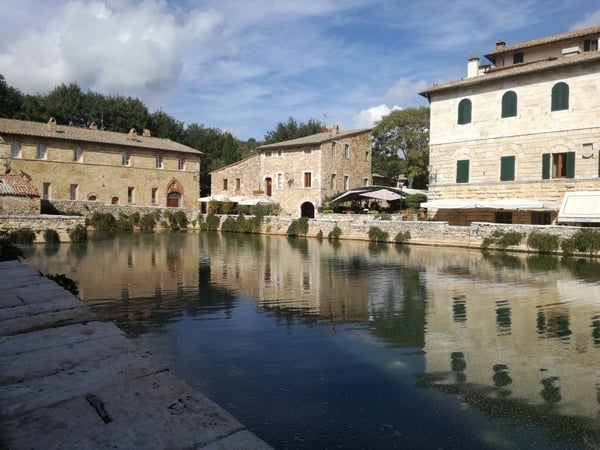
41,222
19,205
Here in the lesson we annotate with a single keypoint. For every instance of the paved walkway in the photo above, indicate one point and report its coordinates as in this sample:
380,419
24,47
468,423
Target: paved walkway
69,381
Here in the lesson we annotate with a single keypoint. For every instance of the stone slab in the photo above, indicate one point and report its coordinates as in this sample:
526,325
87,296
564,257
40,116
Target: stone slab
25,323
157,411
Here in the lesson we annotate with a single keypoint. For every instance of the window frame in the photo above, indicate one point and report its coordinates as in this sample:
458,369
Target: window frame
159,161
78,154
279,180
465,108
307,176
560,97
126,159
181,163
41,151
225,183
346,151
507,168
509,104
15,149
462,171
558,165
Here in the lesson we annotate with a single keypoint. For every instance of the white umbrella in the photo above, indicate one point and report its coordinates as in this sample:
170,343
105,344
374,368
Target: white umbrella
382,194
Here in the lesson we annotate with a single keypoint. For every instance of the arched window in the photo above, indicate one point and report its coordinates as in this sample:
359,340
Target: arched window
509,104
464,111
560,96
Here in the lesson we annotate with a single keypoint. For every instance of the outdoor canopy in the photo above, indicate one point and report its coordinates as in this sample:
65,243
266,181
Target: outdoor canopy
506,203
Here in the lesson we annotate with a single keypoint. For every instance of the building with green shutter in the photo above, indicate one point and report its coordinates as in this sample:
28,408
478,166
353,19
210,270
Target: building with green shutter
509,140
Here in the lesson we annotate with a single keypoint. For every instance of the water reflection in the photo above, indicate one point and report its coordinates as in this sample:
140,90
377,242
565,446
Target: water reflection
514,336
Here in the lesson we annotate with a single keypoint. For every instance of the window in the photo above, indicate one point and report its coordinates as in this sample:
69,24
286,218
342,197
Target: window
365,181
558,165
590,45
15,149
159,161
333,182
73,190
540,218
518,58
268,153
238,184
462,171
130,191
507,168
346,182
509,104
280,153
126,159
41,151
154,191
560,96
46,191
224,184
77,154
279,181
307,151
181,164
503,217
367,156
464,111
307,179
347,151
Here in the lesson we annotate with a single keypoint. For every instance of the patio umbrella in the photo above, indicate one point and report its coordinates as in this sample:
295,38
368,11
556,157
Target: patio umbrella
382,194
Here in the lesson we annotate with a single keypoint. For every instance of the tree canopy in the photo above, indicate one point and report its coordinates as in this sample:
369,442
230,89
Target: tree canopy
292,130
401,145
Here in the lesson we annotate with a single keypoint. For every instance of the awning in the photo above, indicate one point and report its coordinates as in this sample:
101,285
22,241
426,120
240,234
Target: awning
382,194
583,207
505,203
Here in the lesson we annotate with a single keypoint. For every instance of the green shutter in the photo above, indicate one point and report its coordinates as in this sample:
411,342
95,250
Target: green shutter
570,170
509,104
546,158
462,171
507,168
464,111
560,96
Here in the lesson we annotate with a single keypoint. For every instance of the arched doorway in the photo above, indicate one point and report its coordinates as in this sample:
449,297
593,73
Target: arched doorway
114,200
307,210
174,194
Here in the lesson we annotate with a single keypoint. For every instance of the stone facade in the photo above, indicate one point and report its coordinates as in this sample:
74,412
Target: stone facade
299,174
524,127
72,163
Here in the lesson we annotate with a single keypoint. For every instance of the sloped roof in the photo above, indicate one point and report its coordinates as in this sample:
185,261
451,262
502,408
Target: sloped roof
72,133
16,185
517,70
313,139
593,31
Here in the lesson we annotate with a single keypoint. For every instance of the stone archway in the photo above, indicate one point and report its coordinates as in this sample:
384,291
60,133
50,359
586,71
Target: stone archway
174,194
307,209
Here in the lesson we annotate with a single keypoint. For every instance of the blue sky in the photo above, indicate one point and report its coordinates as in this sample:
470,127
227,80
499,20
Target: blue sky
245,65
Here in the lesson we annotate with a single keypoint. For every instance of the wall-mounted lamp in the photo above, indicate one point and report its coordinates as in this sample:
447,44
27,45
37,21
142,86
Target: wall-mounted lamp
432,173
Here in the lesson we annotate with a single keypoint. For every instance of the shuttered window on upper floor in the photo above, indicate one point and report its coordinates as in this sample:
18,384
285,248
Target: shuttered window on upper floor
558,165
509,104
462,171
560,96
464,111
507,168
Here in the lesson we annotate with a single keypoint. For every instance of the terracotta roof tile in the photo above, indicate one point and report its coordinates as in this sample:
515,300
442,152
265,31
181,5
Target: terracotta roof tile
16,185
73,133
318,138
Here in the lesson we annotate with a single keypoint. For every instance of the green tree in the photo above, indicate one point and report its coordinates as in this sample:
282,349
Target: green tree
11,100
293,130
163,125
65,104
401,145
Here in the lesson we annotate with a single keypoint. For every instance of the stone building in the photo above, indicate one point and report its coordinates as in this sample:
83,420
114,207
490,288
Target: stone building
300,173
17,195
509,140
73,163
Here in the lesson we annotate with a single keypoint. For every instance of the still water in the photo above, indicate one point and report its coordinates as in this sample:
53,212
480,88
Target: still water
350,345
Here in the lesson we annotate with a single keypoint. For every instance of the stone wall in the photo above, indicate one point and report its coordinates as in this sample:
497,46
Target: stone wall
19,205
41,222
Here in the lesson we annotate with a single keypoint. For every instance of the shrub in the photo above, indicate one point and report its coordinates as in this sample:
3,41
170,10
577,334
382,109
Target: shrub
502,239
567,246
51,236
298,227
181,219
124,222
413,201
543,242
78,234
22,236
212,222
148,221
319,235
587,241
101,221
335,233
376,234
229,225
402,237
383,216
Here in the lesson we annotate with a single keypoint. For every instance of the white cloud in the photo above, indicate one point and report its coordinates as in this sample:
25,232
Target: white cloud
369,117
591,20
403,90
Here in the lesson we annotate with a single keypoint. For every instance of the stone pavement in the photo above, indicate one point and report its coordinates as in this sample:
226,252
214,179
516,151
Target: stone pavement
69,381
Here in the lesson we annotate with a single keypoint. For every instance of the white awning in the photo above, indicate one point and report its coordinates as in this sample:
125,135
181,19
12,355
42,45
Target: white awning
506,203
581,207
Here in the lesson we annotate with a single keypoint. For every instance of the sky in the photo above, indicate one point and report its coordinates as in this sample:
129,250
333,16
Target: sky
244,66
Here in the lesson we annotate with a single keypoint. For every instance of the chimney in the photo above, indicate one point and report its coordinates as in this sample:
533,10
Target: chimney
146,133
93,126
335,129
132,135
473,67
52,125
500,45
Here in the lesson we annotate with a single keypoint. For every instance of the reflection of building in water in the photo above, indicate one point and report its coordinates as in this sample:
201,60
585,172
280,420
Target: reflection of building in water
533,339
